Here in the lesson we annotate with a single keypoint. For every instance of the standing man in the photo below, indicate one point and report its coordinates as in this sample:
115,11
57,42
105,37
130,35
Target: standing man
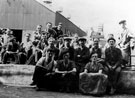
124,42
81,55
95,48
67,49
113,59
51,46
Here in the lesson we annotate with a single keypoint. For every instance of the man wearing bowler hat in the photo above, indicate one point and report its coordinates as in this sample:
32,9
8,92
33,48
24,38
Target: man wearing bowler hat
113,58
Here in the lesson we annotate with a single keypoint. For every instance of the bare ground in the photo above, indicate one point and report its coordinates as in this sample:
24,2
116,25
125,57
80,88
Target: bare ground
30,92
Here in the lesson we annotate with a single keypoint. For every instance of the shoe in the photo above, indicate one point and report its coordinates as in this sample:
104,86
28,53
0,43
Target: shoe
33,83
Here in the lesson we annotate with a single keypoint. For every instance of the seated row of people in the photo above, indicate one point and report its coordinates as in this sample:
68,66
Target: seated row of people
30,48
78,69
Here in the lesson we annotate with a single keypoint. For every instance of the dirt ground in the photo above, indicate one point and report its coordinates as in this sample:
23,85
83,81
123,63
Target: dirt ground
30,92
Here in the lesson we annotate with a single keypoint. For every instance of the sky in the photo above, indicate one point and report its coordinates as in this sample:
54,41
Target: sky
91,13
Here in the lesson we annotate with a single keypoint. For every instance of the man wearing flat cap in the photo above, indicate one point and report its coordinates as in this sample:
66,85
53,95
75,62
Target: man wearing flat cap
67,49
51,45
113,58
122,22
124,42
81,55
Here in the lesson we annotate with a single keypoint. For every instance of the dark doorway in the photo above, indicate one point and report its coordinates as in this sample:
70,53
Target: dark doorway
17,34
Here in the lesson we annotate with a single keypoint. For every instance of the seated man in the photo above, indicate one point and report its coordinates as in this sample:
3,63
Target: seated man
25,49
36,54
66,74
113,58
44,70
11,51
92,80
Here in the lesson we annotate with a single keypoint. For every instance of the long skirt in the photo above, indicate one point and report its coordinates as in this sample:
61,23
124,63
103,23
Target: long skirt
92,83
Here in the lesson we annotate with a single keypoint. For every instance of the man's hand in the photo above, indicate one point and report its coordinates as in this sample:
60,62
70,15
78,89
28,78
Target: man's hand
78,56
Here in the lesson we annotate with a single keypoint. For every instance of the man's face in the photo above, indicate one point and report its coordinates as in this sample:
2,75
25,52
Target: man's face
67,43
81,42
50,54
59,27
43,35
123,25
94,57
39,28
14,40
27,36
111,42
66,56
49,25
51,43
76,38
95,43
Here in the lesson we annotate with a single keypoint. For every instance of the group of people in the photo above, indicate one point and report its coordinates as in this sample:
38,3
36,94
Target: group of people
66,64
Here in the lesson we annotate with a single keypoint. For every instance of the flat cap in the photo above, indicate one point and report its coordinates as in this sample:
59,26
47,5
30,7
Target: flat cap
82,39
122,21
111,38
68,38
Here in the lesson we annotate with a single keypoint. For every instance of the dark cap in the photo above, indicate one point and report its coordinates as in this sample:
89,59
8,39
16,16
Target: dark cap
82,39
67,38
122,21
111,38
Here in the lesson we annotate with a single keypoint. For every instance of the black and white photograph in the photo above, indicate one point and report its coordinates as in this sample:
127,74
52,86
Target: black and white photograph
67,49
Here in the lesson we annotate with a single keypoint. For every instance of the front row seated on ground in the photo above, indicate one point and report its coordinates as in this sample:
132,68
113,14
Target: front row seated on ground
52,75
